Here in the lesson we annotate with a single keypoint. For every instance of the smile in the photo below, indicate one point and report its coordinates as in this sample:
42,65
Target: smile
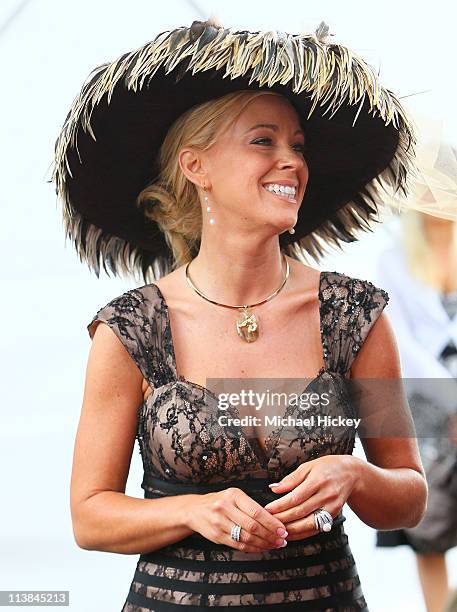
288,197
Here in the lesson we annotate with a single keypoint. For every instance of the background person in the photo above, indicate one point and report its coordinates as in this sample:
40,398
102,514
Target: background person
420,274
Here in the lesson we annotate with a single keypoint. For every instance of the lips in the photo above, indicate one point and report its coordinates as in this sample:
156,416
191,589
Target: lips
284,196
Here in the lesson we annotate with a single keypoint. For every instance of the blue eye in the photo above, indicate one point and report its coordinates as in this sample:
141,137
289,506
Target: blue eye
260,139
301,147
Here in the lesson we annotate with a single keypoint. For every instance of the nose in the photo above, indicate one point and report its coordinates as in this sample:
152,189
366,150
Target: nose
294,162
291,159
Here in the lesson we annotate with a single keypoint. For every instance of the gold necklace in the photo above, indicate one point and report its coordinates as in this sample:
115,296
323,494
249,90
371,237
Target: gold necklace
247,323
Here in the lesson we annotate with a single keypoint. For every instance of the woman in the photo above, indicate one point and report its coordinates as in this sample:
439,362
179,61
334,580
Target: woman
422,284
245,179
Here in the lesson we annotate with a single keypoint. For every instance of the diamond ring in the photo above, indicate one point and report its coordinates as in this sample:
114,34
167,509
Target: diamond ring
235,533
323,520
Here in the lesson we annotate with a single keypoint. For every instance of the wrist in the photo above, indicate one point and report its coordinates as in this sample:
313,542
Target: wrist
356,469
186,511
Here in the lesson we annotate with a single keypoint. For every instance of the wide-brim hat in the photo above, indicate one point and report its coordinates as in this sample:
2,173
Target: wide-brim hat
359,141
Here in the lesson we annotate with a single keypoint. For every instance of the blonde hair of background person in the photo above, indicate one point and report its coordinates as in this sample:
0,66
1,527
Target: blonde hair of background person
387,491
435,266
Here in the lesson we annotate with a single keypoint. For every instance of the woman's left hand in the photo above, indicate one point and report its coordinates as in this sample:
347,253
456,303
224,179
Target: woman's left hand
325,482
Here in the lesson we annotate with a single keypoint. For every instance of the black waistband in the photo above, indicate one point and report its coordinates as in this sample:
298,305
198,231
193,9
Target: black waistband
156,487
257,488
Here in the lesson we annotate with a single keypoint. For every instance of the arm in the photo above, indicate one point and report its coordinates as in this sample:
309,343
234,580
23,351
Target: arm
103,517
390,490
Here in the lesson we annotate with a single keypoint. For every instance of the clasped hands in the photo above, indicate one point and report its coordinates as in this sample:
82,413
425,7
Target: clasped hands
325,482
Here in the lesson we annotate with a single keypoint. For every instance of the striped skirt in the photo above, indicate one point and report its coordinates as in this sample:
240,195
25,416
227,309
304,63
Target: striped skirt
316,573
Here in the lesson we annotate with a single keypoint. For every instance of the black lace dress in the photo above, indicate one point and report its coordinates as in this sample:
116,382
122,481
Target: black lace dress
184,450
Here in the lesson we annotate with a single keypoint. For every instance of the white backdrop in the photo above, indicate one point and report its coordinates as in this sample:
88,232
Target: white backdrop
48,47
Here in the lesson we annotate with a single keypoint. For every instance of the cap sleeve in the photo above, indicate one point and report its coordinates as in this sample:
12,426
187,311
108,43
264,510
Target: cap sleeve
133,318
350,308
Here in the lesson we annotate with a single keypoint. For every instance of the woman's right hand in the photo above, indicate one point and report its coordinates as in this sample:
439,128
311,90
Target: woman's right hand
214,514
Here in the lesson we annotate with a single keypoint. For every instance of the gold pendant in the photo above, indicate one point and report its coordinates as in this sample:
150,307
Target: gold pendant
247,325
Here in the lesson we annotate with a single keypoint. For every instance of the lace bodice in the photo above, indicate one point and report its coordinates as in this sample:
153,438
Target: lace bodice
178,432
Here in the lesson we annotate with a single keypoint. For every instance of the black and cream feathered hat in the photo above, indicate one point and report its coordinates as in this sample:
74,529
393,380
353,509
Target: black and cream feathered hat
359,140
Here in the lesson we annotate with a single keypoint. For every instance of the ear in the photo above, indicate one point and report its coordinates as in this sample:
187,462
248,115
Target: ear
191,164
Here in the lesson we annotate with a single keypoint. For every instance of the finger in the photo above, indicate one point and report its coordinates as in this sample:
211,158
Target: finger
304,509
252,532
302,528
241,546
308,524
250,541
255,511
291,481
301,493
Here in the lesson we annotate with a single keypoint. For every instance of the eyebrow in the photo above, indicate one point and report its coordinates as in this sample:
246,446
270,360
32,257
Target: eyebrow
272,126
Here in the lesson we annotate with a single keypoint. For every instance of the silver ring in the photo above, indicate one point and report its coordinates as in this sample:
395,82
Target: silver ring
322,520
235,533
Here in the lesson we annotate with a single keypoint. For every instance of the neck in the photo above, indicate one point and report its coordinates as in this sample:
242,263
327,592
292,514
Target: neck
231,274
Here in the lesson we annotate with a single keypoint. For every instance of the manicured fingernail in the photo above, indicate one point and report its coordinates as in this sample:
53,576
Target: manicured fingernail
274,484
285,544
281,532
279,542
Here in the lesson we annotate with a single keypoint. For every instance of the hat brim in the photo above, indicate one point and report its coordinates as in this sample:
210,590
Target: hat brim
109,164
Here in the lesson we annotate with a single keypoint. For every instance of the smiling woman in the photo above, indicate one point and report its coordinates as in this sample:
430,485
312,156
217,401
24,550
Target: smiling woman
219,130
168,167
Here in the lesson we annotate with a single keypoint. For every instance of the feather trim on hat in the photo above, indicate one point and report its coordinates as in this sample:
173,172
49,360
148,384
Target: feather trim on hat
331,74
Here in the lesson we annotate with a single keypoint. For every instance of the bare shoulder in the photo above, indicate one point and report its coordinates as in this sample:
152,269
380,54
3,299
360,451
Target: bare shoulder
111,374
305,276
173,285
379,356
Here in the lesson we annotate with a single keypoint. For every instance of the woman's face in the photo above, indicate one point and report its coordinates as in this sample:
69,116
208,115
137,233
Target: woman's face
246,158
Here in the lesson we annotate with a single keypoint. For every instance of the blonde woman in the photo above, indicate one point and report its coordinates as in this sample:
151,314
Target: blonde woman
216,186
420,273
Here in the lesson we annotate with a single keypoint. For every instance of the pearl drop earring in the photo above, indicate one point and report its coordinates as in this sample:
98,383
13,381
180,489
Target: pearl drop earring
291,230
208,208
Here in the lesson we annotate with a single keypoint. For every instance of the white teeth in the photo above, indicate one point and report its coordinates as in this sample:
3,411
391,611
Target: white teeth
275,188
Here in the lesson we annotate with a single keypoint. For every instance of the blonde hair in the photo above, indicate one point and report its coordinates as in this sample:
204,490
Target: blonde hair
172,200
420,257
